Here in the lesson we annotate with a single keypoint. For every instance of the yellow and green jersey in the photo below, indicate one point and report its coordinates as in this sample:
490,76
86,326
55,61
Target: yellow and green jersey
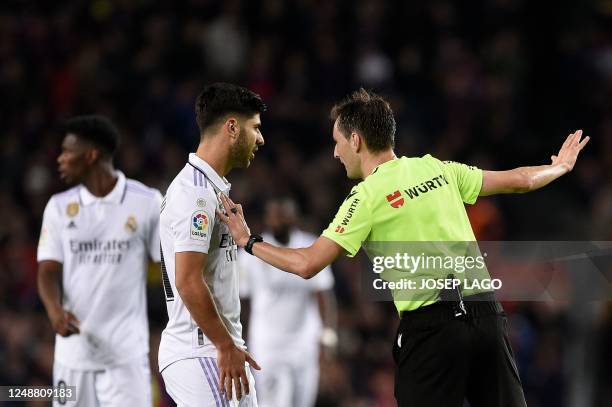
413,204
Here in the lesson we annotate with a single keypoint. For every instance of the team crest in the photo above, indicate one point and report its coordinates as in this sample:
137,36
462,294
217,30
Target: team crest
199,225
72,209
395,199
131,225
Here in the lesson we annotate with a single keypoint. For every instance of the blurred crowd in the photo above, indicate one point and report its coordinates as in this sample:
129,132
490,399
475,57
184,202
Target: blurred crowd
496,83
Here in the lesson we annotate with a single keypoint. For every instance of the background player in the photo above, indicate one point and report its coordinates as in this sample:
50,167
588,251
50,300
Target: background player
290,318
436,362
201,349
94,245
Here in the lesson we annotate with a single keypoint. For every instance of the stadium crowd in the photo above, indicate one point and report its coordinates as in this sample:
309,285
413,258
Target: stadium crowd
496,84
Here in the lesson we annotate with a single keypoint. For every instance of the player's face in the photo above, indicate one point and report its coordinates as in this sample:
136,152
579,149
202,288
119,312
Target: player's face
73,160
248,142
344,153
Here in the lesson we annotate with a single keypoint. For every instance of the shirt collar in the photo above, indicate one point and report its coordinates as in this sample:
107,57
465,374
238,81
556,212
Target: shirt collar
115,196
219,182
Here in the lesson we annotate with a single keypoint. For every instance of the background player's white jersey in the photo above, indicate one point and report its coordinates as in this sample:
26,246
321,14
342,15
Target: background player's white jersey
285,321
188,223
104,245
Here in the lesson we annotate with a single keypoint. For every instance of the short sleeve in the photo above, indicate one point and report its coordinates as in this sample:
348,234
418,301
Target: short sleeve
352,223
50,242
469,180
193,219
153,235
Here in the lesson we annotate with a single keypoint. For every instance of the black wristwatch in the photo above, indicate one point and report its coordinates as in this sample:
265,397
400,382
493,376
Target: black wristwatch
252,240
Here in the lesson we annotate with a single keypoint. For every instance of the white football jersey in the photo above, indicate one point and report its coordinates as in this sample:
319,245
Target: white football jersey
285,321
104,245
188,224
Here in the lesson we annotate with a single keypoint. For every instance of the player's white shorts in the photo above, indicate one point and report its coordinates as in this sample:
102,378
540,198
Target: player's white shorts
119,386
195,383
282,384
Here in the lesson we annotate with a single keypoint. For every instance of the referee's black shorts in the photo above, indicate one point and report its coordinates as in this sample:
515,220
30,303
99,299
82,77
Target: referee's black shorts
441,359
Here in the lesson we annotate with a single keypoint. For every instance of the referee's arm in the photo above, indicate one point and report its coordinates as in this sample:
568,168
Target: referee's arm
306,262
526,179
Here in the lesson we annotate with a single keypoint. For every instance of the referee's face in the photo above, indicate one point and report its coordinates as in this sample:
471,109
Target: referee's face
344,153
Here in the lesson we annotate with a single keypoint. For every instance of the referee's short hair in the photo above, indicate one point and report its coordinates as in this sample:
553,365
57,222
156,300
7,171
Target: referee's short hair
368,114
96,129
218,100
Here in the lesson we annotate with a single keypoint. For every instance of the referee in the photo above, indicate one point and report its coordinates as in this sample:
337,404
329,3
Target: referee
445,351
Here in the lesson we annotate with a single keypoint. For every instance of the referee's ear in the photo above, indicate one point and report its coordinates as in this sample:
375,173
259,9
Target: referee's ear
356,142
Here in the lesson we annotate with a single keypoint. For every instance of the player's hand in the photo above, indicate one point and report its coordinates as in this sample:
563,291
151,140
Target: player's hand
234,219
568,154
232,371
64,322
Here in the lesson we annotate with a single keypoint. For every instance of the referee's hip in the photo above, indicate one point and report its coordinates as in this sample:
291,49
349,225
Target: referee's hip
475,306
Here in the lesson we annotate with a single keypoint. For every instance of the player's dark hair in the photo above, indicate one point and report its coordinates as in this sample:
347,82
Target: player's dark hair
368,114
96,129
220,99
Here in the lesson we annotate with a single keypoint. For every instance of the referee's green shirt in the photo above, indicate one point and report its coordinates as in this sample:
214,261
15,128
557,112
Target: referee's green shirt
418,199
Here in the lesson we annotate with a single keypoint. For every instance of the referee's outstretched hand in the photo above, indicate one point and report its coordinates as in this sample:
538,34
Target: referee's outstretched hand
233,217
568,154
232,370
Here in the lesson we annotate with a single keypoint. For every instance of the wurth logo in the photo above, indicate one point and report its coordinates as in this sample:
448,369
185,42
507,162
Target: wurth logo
395,199
350,212
339,229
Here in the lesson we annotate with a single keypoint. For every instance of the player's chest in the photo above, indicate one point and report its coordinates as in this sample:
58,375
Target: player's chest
103,221
222,243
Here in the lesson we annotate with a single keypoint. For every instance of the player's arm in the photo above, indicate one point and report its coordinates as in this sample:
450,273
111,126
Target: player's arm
49,289
329,316
526,179
198,299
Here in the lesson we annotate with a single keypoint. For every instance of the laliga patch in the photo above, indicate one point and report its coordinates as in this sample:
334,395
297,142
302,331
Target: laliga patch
199,225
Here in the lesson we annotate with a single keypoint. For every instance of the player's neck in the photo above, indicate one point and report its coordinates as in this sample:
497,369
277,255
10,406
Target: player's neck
371,161
101,180
214,156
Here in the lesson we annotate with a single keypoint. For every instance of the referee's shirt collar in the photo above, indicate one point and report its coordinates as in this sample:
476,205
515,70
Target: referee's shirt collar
220,182
115,196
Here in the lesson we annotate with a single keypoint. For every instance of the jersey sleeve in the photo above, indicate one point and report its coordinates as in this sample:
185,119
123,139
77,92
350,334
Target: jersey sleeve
469,180
352,223
193,213
153,230
50,242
